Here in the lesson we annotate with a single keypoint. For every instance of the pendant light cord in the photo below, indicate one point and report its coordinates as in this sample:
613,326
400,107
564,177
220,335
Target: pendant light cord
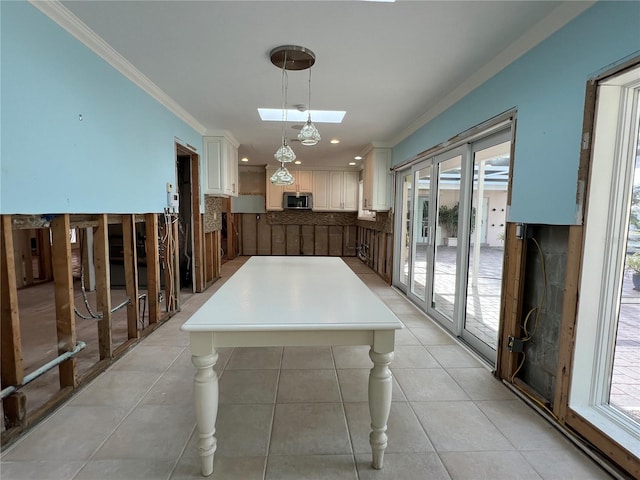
309,104
285,81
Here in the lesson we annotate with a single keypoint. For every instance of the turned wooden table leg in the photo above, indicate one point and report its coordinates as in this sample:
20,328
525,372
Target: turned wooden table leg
205,394
379,404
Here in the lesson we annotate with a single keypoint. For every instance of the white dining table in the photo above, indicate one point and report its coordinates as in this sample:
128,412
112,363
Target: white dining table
291,301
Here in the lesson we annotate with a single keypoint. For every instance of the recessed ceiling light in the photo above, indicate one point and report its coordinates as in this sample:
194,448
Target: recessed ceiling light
357,158
352,163
297,162
319,116
244,159
335,140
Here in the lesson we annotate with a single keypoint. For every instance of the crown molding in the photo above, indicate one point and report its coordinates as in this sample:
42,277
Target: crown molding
73,25
554,21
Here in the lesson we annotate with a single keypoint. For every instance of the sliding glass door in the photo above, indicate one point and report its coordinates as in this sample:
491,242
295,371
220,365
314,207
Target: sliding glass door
452,217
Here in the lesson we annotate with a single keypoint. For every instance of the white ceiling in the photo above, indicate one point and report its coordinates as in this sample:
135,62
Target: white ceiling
389,65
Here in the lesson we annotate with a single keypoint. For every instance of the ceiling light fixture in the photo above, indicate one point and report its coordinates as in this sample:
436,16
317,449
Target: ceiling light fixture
288,57
335,141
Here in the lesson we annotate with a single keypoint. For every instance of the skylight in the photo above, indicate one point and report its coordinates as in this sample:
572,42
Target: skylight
319,116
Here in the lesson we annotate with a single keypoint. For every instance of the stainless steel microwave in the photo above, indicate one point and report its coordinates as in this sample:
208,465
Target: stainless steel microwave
297,200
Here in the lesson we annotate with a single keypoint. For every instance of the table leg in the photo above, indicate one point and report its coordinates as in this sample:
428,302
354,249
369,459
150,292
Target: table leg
379,404
205,394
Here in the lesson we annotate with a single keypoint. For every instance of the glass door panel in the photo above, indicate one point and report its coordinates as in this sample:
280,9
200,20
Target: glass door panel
624,380
405,199
486,242
443,294
420,236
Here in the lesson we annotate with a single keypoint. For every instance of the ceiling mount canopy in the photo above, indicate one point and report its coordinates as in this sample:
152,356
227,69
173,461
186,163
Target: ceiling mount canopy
292,57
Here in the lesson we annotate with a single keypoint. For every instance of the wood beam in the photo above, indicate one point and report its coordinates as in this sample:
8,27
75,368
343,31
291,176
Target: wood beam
63,290
153,267
131,274
103,287
511,309
12,369
568,325
197,256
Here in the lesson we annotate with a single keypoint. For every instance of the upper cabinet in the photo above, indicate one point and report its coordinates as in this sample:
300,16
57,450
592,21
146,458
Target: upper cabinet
332,190
377,180
335,190
220,172
274,192
303,181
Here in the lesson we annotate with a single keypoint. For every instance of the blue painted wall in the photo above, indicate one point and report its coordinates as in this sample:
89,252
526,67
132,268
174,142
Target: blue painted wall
547,86
118,159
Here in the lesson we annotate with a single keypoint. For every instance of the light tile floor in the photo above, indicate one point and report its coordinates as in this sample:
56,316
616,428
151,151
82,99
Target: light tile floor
298,413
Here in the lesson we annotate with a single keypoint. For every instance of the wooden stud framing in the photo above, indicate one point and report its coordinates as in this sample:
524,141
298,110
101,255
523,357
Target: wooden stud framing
63,280
512,287
197,256
153,267
103,287
11,366
131,274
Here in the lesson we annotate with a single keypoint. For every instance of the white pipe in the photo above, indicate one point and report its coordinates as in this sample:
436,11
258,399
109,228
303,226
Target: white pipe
44,369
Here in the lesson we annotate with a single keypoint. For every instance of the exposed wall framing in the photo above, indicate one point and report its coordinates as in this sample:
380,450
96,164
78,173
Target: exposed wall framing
63,313
297,233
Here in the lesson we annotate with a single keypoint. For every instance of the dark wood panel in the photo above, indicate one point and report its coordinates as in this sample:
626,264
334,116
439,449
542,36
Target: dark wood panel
322,240
293,239
264,235
249,235
278,240
307,243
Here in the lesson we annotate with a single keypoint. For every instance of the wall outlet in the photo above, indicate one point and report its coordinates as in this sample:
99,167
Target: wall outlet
515,345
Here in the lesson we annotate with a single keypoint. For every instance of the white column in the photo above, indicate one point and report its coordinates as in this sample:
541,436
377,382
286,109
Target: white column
379,404
205,394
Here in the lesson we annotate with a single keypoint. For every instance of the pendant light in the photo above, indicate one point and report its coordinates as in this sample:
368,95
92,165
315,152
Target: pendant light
309,134
288,57
284,154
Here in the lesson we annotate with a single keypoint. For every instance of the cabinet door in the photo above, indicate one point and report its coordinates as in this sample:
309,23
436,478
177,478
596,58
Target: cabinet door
376,180
350,191
213,175
335,188
220,167
320,190
274,192
304,180
230,166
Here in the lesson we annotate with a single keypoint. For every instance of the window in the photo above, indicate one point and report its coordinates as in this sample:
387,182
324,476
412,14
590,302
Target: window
609,307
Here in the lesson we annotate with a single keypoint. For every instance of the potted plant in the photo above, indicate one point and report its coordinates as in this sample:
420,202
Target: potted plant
633,264
448,220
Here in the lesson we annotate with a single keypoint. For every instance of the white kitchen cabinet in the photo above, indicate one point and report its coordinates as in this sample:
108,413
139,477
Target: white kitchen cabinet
220,172
377,180
350,191
320,190
303,181
335,191
274,192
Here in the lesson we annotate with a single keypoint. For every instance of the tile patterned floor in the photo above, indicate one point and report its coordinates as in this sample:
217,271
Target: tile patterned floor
298,413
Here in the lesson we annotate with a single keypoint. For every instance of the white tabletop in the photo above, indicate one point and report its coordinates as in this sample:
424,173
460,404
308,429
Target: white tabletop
293,293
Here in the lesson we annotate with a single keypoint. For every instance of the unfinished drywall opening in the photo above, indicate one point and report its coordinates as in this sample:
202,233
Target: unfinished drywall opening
542,307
